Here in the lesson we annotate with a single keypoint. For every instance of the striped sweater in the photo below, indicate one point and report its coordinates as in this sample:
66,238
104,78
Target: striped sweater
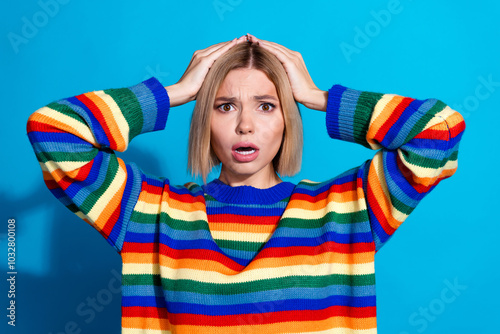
306,261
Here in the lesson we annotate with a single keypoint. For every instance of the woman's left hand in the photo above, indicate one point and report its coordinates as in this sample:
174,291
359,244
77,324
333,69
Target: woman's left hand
303,88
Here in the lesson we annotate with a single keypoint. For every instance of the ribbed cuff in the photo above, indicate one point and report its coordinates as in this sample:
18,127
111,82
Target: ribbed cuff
348,114
155,104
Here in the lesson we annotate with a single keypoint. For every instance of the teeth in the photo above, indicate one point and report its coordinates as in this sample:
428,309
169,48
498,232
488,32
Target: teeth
245,152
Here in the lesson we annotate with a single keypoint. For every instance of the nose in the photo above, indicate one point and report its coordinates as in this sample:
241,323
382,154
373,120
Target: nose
245,123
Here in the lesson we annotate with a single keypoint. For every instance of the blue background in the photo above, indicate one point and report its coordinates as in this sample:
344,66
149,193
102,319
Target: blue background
441,49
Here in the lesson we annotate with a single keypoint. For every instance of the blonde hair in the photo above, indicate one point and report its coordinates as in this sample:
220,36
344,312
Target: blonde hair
201,157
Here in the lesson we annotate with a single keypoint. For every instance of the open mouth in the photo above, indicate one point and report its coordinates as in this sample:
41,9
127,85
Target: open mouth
246,150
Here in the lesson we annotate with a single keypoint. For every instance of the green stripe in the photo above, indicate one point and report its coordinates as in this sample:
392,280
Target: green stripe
425,162
65,156
66,110
406,209
362,116
239,245
92,199
340,218
182,225
248,287
130,107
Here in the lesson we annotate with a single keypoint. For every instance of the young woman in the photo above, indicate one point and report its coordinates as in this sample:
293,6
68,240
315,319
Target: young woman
246,252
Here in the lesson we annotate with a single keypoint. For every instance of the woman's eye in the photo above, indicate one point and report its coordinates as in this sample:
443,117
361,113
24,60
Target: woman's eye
267,106
225,107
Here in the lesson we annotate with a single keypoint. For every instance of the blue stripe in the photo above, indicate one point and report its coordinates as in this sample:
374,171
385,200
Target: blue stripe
396,135
83,111
162,102
250,308
313,242
58,147
251,297
271,306
127,204
347,110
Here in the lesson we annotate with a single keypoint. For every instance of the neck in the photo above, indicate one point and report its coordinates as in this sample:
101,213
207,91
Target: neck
264,179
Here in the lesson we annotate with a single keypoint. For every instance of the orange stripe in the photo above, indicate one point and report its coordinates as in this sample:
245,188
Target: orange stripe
114,202
145,323
209,265
454,119
382,118
110,120
237,227
383,202
343,197
284,327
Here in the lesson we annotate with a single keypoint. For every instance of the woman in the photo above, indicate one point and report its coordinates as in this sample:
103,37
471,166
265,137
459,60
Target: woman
246,252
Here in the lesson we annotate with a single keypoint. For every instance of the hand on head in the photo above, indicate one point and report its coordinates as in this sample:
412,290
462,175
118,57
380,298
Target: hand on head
303,88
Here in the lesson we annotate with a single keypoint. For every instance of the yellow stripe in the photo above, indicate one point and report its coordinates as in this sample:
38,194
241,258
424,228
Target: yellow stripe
112,115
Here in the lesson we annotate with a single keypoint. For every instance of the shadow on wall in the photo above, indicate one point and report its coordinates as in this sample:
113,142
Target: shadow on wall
68,276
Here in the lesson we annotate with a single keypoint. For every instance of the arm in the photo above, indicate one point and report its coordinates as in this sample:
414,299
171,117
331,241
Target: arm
419,142
74,140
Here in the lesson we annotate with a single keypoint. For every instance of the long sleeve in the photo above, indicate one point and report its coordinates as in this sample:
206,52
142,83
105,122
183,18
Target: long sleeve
418,142
74,140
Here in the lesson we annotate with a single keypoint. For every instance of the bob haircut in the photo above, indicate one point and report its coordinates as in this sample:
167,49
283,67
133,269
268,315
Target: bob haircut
201,157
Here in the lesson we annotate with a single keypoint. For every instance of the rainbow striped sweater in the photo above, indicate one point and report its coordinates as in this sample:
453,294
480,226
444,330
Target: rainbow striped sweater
219,259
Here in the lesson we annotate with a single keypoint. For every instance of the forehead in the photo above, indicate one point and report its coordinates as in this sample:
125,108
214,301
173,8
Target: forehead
246,80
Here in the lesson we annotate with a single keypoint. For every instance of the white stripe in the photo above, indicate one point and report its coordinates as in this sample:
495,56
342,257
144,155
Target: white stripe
83,131
241,236
250,275
117,115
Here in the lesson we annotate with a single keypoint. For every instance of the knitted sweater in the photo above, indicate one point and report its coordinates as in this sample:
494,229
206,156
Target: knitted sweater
313,272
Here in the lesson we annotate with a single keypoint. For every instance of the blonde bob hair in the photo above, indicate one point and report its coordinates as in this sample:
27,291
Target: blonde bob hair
201,157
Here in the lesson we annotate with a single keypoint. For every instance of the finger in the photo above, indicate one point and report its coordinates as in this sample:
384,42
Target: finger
279,47
217,53
214,47
284,55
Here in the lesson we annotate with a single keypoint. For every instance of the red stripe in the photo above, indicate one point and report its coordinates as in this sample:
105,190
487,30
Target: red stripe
157,312
271,317
84,171
329,246
396,113
377,211
457,129
100,118
34,126
108,227
249,319
151,189
433,134
240,219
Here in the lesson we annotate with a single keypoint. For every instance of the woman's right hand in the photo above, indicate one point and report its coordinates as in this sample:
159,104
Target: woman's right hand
186,89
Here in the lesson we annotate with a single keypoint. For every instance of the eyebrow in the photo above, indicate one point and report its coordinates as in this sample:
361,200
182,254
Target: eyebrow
256,97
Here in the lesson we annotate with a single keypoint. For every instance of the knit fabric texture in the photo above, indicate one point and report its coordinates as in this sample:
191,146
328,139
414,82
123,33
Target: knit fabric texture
294,258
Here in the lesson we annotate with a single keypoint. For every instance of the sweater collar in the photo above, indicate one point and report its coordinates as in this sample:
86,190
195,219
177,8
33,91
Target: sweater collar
248,194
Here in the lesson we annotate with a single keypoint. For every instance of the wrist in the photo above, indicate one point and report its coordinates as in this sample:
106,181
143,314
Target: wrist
178,95
317,100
